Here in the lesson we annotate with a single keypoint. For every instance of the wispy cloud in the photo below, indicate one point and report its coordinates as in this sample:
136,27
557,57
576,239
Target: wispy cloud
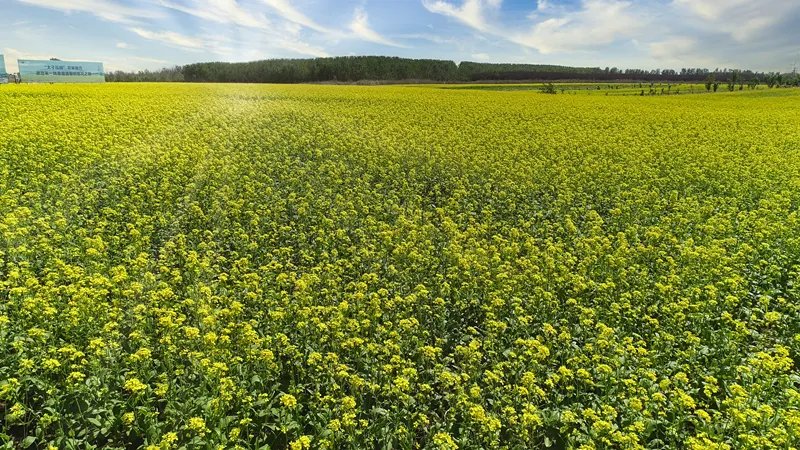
471,12
257,44
106,10
674,50
597,23
292,14
304,48
277,25
361,29
219,11
436,39
711,9
171,38
741,19
284,28
260,45
759,34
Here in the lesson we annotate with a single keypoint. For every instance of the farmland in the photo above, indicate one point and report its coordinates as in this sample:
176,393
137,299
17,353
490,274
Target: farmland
618,88
350,267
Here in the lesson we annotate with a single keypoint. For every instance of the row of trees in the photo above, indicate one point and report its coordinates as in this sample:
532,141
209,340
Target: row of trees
472,71
165,74
341,68
740,79
384,68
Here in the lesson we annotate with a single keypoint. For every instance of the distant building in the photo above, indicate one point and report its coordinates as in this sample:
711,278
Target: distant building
56,71
3,73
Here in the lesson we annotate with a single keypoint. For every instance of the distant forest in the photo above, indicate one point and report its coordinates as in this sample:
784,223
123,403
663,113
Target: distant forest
386,69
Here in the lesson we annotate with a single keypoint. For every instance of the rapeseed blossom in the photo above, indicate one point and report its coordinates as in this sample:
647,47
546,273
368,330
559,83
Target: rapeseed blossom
337,267
288,401
134,386
197,425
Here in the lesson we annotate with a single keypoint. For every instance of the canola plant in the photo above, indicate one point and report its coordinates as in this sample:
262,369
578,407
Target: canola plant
345,267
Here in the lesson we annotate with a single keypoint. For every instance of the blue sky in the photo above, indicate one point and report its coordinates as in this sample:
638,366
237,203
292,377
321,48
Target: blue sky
149,34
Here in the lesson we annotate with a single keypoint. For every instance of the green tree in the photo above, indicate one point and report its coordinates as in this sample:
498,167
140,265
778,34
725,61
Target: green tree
710,82
733,80
548,88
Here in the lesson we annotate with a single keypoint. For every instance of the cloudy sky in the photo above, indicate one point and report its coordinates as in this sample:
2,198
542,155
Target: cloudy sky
149,34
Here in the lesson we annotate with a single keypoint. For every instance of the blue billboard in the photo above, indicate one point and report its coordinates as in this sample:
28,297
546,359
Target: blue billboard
54,71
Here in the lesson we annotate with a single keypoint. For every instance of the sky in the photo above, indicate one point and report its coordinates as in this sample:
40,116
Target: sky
150,34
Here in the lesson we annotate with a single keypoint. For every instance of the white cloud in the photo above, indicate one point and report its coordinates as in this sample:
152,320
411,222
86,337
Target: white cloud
361,29
710,9
246,46
283,31
672,48
258,34
430,38
303,48
741,19
292,14
260,45
219,11
597,23
171,37
106,10
756,34
649,33
471,12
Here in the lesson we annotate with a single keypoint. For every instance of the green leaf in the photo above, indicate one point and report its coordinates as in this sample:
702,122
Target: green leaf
94,421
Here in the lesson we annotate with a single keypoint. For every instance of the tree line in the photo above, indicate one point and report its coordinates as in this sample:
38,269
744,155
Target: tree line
166,74
385,68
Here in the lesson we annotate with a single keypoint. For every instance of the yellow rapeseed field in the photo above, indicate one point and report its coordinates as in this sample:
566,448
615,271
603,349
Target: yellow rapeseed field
334,267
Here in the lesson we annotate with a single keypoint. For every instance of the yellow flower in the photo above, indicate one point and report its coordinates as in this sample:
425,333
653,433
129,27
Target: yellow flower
443,441
161,389
334,425
302,443
197,425
143,354
702,415
134,386
15,413
348,403
51,364
76,377
234,433
288,401
168,440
